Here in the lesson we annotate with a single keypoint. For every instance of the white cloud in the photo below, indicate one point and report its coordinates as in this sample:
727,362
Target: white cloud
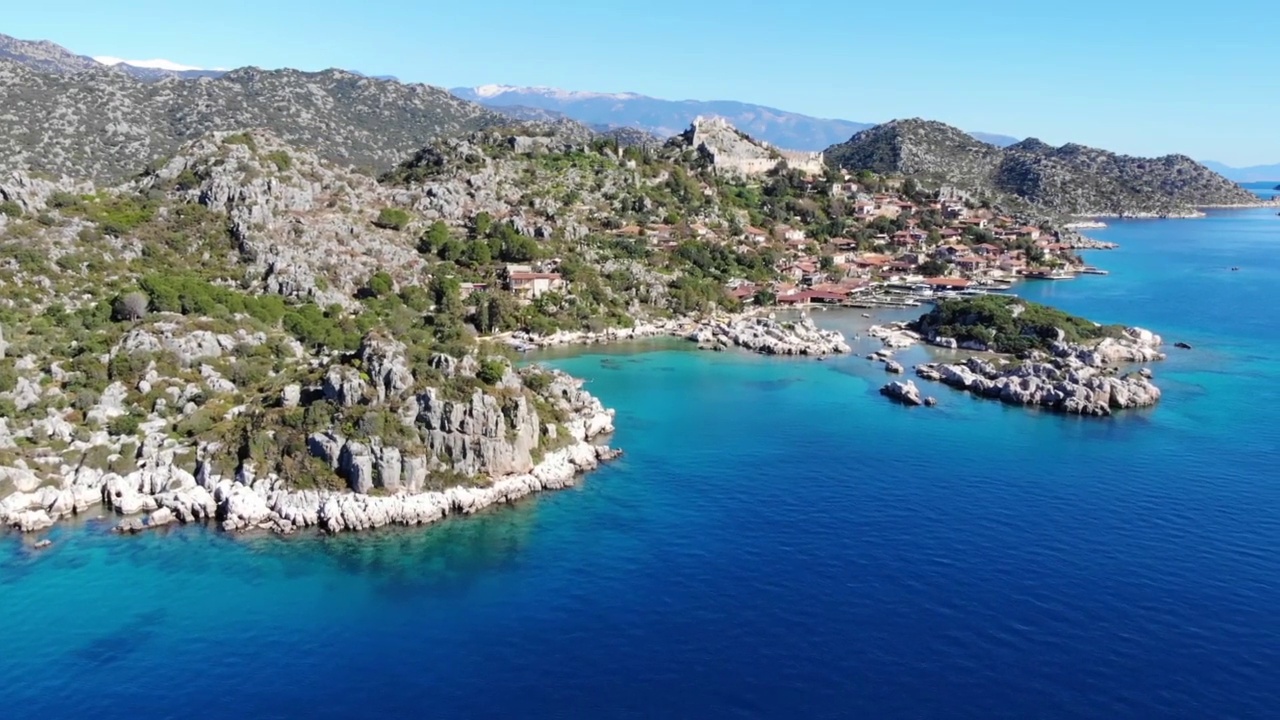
157,64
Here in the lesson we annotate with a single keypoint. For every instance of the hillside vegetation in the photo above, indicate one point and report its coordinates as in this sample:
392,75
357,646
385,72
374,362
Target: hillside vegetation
1008,324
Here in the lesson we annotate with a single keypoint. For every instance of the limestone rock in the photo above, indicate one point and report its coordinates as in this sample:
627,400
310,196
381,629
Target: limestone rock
1076,381
384,359
343,386
291,395
30,521
772,337
478,435
242,508
904,392
355,463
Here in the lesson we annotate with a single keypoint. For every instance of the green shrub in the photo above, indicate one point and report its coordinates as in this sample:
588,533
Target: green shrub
393,219
127,461
61,199
97,457
118,215
8,376
537,381
250,372
380,285
1008,324
491,371
243,138
10,208
124,425
280,159
197,423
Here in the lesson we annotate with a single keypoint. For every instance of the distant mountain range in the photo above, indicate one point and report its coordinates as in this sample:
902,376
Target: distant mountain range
665,118
1251,174
89,117
1071,179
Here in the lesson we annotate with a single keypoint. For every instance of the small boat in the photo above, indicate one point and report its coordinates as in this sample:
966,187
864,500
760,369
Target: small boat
1235,269
866,315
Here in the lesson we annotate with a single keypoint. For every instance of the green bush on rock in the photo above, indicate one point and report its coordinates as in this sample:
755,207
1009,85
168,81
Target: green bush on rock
393,219
1008,324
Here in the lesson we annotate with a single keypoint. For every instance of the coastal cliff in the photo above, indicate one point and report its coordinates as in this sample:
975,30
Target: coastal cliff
458,445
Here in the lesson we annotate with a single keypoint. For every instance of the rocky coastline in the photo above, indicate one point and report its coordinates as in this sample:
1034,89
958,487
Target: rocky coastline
766,335
769,336
1073,379
1080,242
474,452
642,330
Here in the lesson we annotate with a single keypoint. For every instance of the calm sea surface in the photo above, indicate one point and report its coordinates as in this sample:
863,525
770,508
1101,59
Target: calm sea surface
779,541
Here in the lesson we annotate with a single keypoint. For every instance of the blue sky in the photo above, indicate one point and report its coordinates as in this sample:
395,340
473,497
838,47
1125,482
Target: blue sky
1129,75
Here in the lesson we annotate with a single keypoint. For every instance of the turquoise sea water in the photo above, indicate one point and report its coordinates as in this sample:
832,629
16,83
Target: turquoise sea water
779,541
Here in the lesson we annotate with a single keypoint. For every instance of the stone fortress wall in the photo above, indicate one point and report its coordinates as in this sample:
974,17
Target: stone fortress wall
733,152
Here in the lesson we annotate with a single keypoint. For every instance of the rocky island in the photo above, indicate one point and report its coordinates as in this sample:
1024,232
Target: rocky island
1040,356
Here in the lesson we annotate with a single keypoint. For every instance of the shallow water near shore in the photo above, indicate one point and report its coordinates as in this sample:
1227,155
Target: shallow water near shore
778,541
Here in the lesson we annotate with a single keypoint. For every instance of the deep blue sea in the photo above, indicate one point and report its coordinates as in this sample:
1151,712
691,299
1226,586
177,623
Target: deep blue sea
778,541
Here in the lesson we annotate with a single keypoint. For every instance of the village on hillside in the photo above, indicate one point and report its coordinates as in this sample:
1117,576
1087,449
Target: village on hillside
902,246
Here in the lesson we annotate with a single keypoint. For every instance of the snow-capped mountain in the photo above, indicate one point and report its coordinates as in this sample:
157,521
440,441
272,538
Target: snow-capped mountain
665,118
46,56
156,64
157,68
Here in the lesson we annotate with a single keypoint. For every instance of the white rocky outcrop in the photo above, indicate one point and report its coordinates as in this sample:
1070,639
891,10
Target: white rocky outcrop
894,336
188,345
641,330
904,392
475,430
769,336
1065,384
765,335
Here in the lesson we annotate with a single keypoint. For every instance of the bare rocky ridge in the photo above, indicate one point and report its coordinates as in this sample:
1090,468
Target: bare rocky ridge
103,124
272,191
44,56
48,57
1072,179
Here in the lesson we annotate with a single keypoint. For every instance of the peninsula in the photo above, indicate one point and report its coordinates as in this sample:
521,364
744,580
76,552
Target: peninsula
245,329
